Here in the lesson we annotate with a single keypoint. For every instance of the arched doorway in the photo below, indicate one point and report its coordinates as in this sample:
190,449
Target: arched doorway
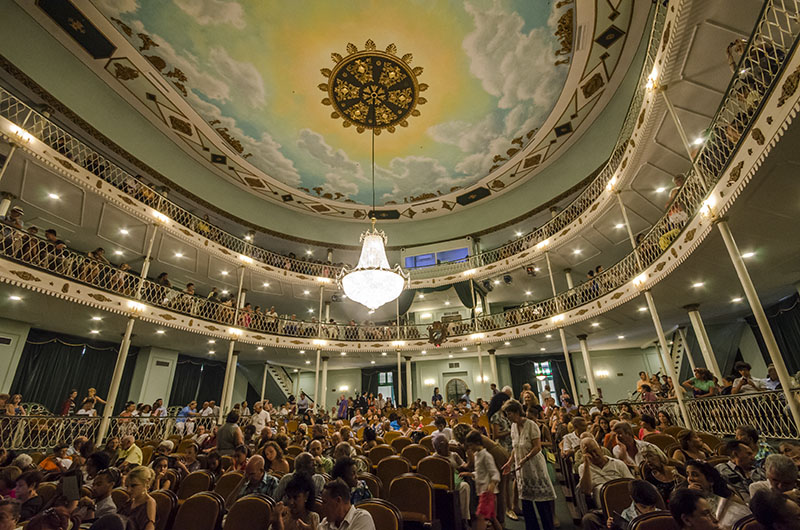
454,389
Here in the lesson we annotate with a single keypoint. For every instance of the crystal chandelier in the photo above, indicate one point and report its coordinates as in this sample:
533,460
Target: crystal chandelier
372,282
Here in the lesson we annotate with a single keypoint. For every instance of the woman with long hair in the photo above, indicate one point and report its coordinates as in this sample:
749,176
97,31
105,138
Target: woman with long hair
657,471
274,459
692,448
140,511
726,504
500,432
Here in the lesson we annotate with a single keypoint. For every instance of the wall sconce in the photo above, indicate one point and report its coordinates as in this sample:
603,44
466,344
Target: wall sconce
344,388
601,373
430,382
21,135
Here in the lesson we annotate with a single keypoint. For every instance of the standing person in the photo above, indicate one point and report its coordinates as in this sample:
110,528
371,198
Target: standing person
545,394
487,478
69,405
303,404
528,462
501,434
436,398
564,397
229,436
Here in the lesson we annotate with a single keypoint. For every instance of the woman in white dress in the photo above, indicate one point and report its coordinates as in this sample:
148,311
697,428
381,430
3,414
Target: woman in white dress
527,460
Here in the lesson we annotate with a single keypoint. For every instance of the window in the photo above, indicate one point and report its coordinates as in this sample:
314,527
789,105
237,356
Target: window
385,378
423,260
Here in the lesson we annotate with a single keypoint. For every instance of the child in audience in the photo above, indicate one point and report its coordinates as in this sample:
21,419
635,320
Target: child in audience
646,499
487,477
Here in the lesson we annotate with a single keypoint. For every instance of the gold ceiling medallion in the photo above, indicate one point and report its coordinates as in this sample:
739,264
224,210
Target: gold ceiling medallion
373,89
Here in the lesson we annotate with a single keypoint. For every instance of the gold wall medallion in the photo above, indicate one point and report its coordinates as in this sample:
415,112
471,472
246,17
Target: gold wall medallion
373,89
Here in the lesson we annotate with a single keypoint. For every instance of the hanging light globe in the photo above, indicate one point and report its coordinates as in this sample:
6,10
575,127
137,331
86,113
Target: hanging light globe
372,283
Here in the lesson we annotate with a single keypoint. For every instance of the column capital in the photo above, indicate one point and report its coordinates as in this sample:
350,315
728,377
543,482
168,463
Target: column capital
8,195
568,270
407,358
692,307
325,358
491,351
582,336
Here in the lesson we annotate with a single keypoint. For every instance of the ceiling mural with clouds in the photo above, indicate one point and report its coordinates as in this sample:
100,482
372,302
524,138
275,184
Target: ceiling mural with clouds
502,85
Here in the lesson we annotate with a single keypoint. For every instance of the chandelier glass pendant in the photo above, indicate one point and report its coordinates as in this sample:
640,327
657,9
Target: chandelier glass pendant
372,282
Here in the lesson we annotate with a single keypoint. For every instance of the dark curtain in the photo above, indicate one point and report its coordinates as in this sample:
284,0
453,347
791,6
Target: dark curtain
198,379
522,371
252,395
464,293
405,300
560,378
369,380
52,364
725,340
784,320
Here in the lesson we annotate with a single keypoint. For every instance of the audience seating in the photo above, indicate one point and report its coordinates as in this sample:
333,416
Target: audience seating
166,505
195,482
437,469
228,483
202,511
290,461
674,430
47,490
294,450
378,453
748,523
412,494
654,521
714,460
86,491
147,454
662,441
118,495
427,442
398,444
391,435
37,457
414,453
712,441
226,461
429,429
373,483
391,467
615,496
174,478
384,514
251,511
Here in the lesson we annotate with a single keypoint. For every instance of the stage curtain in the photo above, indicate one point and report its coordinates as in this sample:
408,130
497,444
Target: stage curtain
198,379
53,363
405,300
464,294
784,320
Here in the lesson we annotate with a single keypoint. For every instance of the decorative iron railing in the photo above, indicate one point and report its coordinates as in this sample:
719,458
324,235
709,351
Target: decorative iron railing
81,154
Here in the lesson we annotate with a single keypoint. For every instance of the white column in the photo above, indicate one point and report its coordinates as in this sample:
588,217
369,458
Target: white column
231,382
761,318
587,363
493,365
682,334
399,381
702,339
230,367
323,391
568,276
119,368
316,381
8,161
561,332
296,386
409,397
480,365
662,340
264,381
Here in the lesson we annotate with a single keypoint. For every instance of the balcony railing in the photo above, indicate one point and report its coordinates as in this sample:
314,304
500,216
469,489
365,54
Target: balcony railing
81,154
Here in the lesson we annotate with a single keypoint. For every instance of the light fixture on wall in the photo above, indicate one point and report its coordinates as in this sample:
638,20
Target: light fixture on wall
429,382
372,283
601,373
344,388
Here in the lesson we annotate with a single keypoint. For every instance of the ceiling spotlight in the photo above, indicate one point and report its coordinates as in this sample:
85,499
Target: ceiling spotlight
528,293
450,356
542,349
383,353
224,273
518,233
306,292
260,348
506,343
447,302
371,311
748,255
53,196
619,226
576,251
211,352
302,352
178,255
160,331
699,140
536,269
661,189
248,238
343,353
296,370
697,285
310,310
124,231
372,362
620,337
424,352
497,282
464,348
224,291
118,252
309,252
548,336
95,331
97,318
265,284
643,309
422,296
212,341
595,324
737,300
15,298
308,362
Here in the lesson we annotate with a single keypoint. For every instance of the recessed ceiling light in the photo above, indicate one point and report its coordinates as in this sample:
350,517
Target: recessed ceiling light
302,352
506,343
309,252
619,226
95,331
296,370
212,341
595,324
265,284
697,285
211,352
15,298
306,292
620,337
542,349
450,356
383,353
248,238
424,352
160,331
748,255
548,336
737,300
224,273
497,282
308,362
53,196
699,140
422,296
343,353
576,251
118,252
536,269
661,189
372,362
178,254
518,233
310,310
643,308
97,318
260,348
528,293
464,348
124,231
447,302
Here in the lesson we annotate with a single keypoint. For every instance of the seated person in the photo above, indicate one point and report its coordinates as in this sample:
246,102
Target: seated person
740,471
345,469
749,435
129,455
303,465
162,481
774,510
571,441
692,448
726,505
781,476
8,480
336,509
441,427
9,514
691,510
628,448
298,508
26,493
56,462
256,479
460,470
322,464
659,473
645,499
596,470
103,484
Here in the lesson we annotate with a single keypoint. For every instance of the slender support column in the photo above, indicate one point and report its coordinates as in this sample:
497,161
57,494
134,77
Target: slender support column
230,367
587,363
761,318
232,381
399,380
682,333
493,365
682,134
319,314
631,237
561,332
316,380
296,385
662,340
397,323
409,397
568,276
119,368
323,390
480,365
702,339
8,160
264,381
5,202
660,357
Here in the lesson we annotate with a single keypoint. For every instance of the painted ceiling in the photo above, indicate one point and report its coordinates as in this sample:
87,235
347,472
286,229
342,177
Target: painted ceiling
499,86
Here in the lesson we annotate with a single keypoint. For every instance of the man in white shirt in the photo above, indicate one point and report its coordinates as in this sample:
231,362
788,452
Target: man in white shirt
206,410
380,402
442,428
160,411
260,417
339,513
746,384
544,395
596,470
781,474
628,448
597,407
572,441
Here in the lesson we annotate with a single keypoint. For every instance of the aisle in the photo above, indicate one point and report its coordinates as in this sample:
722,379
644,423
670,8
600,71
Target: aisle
562,511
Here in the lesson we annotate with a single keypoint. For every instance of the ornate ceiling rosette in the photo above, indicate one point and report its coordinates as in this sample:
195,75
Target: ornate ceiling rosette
373,89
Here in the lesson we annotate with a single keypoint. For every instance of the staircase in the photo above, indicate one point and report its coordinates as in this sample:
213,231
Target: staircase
282,378
677,351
